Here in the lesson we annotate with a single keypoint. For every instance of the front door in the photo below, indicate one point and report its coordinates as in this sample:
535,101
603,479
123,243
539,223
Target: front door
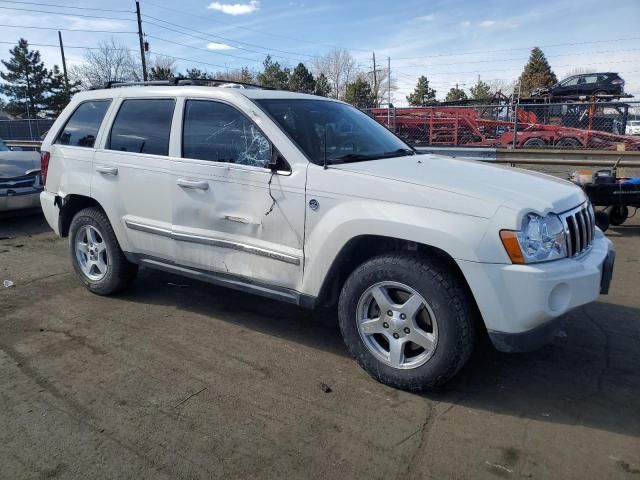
231,213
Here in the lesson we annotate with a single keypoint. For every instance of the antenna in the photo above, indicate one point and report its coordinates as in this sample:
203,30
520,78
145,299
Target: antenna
325,147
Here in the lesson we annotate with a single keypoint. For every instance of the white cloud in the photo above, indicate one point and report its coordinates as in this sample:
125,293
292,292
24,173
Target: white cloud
219,46
426,18
466,24
235,8
487,23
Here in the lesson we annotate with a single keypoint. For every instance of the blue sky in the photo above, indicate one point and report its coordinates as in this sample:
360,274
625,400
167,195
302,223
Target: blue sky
449,41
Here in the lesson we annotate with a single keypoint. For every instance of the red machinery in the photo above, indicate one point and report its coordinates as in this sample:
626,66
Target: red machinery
467,127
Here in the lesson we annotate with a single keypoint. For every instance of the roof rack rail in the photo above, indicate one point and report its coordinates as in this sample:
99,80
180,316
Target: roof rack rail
181,81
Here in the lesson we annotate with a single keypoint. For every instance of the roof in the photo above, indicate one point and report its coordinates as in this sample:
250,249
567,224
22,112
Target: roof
193,91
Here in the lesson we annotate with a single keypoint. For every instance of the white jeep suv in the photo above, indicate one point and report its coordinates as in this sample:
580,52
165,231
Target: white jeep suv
308,200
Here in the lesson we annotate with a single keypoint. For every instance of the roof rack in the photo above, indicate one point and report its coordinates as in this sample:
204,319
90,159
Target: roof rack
181,81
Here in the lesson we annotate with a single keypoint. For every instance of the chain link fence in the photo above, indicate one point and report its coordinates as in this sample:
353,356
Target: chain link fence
569,125
34,129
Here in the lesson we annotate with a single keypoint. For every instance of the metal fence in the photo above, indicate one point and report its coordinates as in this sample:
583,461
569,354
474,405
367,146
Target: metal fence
33,129
571,125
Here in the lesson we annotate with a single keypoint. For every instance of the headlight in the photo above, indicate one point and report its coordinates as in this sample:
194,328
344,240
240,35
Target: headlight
539,239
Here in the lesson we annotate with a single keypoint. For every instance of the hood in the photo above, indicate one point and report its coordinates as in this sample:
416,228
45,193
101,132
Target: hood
486,182
17,164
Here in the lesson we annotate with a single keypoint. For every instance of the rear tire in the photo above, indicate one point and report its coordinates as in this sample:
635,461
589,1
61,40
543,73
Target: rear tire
534,143
618,214
438,314
96,254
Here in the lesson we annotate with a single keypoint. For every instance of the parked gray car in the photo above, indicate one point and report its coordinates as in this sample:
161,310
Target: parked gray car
20,182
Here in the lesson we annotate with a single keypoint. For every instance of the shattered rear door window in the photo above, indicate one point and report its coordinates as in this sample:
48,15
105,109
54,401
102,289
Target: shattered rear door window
218,132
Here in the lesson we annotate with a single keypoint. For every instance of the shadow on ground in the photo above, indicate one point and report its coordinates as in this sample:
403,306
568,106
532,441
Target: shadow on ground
588,375
22,224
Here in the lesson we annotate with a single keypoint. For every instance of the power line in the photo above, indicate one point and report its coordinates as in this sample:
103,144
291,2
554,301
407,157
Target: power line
66,6
204,49
518,48
501,60
69,46
212,37
64,29
68,14
256,30
518,68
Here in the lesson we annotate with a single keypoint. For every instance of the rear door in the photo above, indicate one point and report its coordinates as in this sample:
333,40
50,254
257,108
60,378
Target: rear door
589,84
231,213
131,177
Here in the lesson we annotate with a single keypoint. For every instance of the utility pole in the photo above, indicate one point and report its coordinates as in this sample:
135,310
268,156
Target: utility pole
144,60
375,78
64,62
389,91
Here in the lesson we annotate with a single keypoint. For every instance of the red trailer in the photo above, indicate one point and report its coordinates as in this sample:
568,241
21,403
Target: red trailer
462,126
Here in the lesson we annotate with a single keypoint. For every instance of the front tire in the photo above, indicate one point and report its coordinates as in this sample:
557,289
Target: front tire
407,320
96,255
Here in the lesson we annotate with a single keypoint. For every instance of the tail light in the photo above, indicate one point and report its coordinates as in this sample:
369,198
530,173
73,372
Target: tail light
617,81
44,166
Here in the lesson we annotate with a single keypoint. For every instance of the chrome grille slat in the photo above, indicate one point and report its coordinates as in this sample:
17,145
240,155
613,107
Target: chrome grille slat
579,226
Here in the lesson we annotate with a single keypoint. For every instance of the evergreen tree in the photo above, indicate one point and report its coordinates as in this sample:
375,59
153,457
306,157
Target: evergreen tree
537,73
481,91
323,87
27,80
60,92
160,73
301,80
196,74
359,94
246,76
423,94
455,94
273,75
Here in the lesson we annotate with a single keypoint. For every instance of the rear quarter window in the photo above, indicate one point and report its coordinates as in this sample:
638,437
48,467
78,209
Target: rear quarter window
142,126
84,123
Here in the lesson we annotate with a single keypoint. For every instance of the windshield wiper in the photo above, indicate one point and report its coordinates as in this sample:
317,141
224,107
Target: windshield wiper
355,157
400,151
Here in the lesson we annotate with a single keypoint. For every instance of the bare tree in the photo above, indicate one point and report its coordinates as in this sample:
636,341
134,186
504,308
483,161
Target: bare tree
380,84
107,63
161,68
339,67
579,71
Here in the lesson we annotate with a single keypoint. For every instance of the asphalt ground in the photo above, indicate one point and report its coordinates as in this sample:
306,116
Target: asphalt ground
180,379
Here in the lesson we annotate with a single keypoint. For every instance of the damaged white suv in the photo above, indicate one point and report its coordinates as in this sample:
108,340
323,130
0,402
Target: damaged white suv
308,200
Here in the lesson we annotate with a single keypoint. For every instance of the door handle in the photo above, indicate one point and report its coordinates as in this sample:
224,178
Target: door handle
107,170
195,184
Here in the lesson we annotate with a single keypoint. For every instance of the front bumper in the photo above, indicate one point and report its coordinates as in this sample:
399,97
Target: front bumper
519,303
25,199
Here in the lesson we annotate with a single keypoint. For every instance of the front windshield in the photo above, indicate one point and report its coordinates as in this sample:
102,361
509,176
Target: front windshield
335,131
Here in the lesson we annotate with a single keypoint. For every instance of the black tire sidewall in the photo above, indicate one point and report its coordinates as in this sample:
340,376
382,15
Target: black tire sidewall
93,217
436,286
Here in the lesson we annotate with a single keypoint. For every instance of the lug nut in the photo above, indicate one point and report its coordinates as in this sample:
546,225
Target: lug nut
389,313
406,330
402,316
385,325
396,336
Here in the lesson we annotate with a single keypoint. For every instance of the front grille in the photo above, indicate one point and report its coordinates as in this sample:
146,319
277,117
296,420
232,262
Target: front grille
19,182
579,226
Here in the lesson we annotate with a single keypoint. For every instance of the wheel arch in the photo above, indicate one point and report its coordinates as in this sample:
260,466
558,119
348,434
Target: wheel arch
361,248
69,206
